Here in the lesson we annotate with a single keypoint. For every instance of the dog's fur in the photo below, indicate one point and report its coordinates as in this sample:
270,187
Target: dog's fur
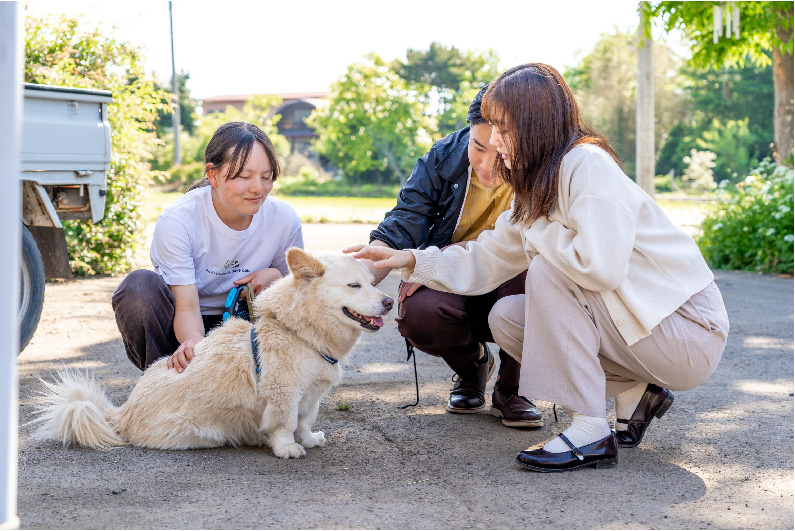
219,399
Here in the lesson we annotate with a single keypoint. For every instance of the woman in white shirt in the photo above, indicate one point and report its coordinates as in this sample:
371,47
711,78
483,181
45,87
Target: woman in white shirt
224,232
618,302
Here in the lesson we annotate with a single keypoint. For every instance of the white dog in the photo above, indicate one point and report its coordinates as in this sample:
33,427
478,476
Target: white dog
307,322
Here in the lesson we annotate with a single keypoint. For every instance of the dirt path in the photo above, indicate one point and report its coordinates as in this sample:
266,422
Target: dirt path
721,458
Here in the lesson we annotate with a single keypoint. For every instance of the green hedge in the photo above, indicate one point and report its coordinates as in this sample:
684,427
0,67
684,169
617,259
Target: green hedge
751,227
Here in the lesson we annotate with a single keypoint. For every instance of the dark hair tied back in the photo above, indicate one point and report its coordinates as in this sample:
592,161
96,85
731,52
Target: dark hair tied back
232,144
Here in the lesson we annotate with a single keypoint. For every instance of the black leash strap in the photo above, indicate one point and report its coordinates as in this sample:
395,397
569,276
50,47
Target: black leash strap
410,354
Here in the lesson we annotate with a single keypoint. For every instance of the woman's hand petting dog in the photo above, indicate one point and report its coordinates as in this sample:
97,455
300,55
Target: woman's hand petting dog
383,256
182,356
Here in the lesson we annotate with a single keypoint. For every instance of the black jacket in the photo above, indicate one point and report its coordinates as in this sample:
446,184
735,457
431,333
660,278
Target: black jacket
429,203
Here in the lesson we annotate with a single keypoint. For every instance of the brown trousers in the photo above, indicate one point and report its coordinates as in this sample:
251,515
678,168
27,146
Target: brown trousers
573,355
452,326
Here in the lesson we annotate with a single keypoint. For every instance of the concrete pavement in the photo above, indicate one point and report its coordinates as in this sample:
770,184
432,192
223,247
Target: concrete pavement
722,457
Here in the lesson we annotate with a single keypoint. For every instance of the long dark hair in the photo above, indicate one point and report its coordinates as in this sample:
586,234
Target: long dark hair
535,110
231,144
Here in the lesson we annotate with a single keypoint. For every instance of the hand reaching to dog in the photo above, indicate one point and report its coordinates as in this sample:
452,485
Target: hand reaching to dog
383,257
260,279
182,356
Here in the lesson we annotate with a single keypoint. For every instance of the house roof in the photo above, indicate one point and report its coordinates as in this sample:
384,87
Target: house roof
287,96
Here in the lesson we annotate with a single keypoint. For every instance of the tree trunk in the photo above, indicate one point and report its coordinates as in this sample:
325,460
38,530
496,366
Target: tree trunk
783,83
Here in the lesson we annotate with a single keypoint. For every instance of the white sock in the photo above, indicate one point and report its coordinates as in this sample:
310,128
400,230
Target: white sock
627,402
583,431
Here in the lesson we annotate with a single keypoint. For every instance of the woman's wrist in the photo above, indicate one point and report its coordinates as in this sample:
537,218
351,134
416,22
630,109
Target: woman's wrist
407,269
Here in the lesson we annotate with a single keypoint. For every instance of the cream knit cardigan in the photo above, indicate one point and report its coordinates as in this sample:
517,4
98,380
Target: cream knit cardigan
605,234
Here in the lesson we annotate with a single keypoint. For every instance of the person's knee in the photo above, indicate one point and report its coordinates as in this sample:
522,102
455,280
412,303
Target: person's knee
140,286
506,322
507,314
424,320
692,377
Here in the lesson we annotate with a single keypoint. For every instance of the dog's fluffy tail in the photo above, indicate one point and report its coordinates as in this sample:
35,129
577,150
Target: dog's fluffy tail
74,411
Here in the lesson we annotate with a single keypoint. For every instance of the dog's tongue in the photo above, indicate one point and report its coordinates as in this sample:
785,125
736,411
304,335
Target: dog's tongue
378,321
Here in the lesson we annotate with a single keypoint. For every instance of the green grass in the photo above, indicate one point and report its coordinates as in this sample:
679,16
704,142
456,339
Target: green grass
371,209
340,209
309,209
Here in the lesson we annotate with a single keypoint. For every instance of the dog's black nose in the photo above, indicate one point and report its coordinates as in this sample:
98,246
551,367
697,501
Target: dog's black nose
388,302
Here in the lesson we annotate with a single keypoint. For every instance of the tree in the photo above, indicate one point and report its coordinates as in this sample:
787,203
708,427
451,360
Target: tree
187,107
373,126
62,51
765,31
447,79
605,86
742,94
257,110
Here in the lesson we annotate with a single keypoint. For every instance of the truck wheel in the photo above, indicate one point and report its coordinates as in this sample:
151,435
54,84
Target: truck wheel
31,292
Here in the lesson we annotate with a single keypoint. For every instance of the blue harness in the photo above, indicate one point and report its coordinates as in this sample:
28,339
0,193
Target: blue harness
255,352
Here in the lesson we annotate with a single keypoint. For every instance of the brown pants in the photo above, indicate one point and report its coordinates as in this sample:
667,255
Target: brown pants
144,308
452,326
577,356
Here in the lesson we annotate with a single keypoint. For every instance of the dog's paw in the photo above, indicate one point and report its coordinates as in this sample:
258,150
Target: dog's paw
289,451
317,438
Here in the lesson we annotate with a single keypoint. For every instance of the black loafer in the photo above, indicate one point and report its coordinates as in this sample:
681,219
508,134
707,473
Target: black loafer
515,410
654,403
600,454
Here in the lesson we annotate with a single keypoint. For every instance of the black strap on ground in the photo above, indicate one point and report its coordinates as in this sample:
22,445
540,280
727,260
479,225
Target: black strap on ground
410,354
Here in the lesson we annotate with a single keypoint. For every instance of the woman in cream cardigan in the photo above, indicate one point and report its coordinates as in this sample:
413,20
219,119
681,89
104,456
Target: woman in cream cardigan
619,302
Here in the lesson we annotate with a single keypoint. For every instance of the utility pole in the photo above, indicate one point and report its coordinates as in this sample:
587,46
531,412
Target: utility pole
175,89
11,53
644,137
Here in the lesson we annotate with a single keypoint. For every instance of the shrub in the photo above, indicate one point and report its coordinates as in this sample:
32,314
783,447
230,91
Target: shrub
181,176
751,227
313,182
63,51
698,176
663,183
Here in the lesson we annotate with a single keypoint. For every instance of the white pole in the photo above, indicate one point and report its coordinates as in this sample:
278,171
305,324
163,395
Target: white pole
11,53
644,138
175,89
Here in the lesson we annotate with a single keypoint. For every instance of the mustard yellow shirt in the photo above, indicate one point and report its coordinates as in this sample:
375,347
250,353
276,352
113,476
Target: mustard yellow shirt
482,207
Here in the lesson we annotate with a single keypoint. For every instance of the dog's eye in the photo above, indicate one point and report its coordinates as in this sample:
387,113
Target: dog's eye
354,285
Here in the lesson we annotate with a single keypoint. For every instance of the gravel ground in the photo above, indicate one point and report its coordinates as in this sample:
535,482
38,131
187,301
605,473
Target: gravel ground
722,457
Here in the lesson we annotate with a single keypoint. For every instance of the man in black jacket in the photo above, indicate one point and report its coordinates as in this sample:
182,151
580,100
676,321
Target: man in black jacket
449,199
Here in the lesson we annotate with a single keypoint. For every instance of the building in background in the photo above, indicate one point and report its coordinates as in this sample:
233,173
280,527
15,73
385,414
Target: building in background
295,109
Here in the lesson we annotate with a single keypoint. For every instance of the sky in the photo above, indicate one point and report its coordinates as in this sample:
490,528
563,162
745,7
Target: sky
245,47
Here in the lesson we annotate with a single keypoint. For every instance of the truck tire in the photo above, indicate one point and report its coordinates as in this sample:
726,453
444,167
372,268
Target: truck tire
31,289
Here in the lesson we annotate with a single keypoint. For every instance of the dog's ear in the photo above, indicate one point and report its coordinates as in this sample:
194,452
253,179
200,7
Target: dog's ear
303,265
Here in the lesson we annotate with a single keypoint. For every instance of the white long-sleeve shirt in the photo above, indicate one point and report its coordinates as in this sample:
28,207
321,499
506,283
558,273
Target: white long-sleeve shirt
604,233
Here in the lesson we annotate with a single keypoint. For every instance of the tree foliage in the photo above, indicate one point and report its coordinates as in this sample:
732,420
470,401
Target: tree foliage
447,79
373,127
61,51
187,107
766,37
258,110
717,103
605,86
757,36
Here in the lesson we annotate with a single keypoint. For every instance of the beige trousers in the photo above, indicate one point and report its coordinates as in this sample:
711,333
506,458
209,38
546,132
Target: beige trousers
573,355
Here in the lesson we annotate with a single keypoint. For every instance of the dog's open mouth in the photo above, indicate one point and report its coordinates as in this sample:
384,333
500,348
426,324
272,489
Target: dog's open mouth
368,323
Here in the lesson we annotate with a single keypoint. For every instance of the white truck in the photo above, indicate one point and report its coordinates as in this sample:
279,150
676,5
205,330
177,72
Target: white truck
64,160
